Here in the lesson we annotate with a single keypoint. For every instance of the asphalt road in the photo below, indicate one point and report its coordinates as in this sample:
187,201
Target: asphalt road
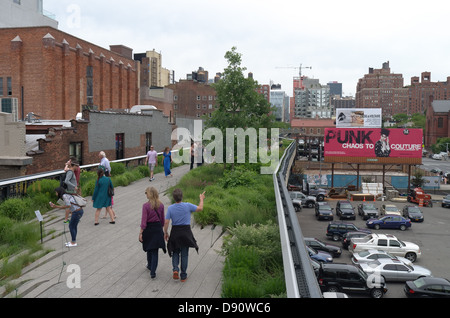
432,236
428,164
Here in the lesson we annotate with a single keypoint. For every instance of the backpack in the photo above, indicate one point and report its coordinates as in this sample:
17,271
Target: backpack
80,201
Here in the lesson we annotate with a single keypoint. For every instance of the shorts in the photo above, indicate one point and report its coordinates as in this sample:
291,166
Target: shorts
151,166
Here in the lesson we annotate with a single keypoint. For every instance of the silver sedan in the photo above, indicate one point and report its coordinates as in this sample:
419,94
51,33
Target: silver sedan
394,270
373,255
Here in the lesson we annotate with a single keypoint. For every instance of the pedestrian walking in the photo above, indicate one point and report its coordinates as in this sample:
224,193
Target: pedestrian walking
76,211
151,235
181,237
152,161
105,163
167,155
102,197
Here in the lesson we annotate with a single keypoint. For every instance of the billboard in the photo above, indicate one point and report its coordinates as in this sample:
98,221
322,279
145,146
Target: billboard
373,145
358,118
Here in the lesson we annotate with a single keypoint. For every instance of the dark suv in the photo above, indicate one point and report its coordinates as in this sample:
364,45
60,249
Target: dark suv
348,279
336,230
345,210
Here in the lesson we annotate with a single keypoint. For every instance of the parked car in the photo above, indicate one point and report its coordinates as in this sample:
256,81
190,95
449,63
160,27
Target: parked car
388,243
318,245
321,257
372,255
345,210
389,222
367,210
335,230
300,200
349,279
446,201
394,270
431,287
346,237
437,156
413,213
324,211
390,209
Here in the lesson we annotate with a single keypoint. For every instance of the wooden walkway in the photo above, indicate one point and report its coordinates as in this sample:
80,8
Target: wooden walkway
109,262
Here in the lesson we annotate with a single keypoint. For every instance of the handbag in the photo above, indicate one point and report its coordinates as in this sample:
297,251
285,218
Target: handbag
110,189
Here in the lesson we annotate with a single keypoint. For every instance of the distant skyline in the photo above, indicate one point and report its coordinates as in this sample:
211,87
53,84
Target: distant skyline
340,40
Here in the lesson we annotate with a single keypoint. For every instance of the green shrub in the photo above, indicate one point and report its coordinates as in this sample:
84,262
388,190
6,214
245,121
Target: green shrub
45,186
17,209
117,168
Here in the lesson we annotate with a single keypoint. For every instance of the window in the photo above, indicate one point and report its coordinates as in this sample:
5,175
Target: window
148,141
382,242
120,148
1,86
175,97
394,243
440,122
9,86
75,150
89,86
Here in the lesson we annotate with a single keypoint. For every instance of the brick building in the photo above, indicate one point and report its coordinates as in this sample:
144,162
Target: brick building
382,89
421,91
193,99
437,121
119,134
53,74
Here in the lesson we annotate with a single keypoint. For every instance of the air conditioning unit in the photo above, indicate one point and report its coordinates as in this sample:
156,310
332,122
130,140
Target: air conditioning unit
10,105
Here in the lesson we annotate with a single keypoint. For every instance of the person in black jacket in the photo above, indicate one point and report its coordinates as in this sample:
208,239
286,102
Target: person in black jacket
181,236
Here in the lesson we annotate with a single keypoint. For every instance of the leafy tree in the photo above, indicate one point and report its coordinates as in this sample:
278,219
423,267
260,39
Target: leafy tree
239,103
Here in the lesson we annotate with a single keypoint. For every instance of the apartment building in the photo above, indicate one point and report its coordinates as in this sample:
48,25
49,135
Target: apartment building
382,89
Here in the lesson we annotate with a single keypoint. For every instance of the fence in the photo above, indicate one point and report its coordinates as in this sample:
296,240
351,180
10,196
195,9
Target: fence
301,282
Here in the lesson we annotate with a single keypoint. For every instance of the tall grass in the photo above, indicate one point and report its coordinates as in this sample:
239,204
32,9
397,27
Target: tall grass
243,202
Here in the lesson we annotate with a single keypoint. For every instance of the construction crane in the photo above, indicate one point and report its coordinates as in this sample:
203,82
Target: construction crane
299,68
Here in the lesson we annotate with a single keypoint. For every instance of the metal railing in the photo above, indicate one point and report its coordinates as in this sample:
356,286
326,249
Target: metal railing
301,282
15,187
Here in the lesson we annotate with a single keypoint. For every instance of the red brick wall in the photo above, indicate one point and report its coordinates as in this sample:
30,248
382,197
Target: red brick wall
53,73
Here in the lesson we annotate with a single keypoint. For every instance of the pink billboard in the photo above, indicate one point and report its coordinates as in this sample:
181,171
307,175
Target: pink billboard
373,142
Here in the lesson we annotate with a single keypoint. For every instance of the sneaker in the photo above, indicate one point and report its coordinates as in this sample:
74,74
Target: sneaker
183,280
175,275
152,179
69,244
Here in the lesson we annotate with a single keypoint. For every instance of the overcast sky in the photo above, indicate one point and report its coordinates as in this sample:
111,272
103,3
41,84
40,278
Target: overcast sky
340,40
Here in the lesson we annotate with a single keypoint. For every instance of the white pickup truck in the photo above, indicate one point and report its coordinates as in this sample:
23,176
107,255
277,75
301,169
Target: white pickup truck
385,242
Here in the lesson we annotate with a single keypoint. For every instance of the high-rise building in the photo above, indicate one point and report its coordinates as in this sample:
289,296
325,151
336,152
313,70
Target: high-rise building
335,89
311,99
382,89
152,72
281,103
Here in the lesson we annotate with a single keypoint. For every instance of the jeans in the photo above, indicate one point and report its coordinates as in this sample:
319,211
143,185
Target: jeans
152,261
184,251
73,225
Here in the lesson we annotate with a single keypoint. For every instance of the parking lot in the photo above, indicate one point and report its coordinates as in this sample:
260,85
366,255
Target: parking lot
432,236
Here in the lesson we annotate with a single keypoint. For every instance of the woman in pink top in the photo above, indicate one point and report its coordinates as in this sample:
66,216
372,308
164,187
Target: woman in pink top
151,235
